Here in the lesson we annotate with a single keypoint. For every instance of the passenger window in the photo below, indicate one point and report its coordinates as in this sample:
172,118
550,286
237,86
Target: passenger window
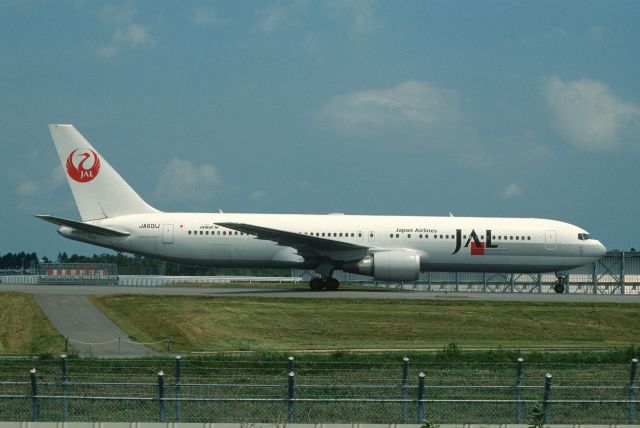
409,236
391,235
420,236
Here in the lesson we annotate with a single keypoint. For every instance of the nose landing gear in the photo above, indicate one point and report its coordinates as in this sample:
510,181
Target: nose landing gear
561,283
319,284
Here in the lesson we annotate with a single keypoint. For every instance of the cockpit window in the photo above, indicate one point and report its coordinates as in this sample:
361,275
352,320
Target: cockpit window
584,236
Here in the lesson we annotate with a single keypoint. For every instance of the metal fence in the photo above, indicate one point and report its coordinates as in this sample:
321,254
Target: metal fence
193,390
617,272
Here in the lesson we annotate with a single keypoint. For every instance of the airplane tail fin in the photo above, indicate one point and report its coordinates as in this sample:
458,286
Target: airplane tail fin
97,188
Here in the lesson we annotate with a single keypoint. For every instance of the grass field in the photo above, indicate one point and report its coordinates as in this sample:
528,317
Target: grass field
229,324
24,330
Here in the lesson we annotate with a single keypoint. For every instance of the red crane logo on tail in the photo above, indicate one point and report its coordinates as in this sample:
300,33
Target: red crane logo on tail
76,166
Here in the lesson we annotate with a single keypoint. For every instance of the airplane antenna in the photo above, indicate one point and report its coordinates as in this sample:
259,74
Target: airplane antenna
450,215
220,210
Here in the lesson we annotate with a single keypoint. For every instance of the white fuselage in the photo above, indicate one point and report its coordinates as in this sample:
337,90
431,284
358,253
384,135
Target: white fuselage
443,243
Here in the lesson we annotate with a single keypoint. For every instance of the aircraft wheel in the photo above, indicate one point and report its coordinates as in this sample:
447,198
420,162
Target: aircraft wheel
332,284
558,288
316,284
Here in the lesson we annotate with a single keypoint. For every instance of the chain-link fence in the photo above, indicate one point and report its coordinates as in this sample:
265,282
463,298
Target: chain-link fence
194,390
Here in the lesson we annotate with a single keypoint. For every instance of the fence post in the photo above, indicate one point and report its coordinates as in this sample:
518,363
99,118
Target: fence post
405,390
66,345
291,393
161,394
35,408
632,391
292,363
545,397
65,386
421,398
178,381
519,419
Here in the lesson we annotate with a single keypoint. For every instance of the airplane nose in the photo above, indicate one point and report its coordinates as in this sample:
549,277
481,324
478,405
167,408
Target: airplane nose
595,249
602,250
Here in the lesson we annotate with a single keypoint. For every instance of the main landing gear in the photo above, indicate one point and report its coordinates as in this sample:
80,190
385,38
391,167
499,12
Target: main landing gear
319,284
561,283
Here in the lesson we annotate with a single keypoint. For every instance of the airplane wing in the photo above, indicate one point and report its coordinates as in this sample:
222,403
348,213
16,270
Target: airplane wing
307,246
98,230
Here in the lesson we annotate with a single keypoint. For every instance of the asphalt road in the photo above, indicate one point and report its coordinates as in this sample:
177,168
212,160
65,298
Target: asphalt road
89,331
365,293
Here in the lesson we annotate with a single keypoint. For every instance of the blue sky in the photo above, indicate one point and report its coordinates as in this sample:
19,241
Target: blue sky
493,108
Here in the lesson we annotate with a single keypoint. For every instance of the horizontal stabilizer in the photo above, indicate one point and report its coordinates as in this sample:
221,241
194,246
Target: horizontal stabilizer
305,244
98,230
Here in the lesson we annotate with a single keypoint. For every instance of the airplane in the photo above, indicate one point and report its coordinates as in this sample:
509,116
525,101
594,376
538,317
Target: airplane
387,248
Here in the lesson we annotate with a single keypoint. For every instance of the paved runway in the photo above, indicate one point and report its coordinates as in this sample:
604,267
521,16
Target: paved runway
89,331
365,293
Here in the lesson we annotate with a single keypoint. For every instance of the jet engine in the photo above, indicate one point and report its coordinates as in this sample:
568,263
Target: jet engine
395,265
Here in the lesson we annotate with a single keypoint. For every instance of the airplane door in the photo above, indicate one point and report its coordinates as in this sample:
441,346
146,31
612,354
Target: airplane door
550,240
167,234
372,236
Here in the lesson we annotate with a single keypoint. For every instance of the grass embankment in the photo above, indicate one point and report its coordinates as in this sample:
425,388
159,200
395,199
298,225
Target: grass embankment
231,323
24,329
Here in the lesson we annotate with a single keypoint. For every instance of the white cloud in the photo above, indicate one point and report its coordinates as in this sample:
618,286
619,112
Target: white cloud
511,191
118,15
31,187
126,31
258,195
413,102
274,16
362,19
57,177
182,181
589,115
28,188
600,32
133,35
203,16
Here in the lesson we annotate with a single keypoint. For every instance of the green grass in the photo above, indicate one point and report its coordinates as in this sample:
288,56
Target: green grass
275,324
24,329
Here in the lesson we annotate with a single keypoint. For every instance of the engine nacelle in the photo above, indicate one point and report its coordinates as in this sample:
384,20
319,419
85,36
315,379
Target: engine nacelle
397,265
